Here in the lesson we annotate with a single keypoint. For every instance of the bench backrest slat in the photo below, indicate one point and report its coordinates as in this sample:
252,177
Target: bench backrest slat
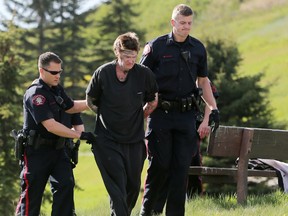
226,142
269,144
266,143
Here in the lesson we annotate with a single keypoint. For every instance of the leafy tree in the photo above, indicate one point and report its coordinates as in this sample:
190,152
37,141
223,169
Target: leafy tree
10,113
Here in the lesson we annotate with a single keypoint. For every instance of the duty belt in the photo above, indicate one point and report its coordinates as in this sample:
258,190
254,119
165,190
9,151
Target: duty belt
40,142
181,105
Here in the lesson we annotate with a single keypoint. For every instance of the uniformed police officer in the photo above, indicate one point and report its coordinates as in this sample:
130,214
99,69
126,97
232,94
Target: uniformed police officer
45,158
179,62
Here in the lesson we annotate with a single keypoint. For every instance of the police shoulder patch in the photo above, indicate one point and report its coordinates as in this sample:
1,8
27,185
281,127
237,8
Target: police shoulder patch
146,49
38,100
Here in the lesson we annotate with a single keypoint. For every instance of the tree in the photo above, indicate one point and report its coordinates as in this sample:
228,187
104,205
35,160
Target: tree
10,113
242,101
66,39
116,21
31,13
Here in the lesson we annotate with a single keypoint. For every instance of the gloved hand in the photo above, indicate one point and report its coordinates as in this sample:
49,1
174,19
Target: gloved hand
88,136
214,119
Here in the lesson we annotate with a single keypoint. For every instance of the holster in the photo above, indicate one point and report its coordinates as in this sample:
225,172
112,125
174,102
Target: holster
20,141
72,150
75,152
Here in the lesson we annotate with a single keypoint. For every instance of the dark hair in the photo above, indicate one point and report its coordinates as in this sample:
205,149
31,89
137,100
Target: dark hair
183,10
46,58
127,41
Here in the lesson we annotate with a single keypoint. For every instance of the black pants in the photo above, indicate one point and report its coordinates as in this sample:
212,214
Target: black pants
40,166
194,185
172,141
120,166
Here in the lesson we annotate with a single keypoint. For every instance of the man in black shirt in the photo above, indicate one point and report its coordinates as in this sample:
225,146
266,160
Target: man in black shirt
122,93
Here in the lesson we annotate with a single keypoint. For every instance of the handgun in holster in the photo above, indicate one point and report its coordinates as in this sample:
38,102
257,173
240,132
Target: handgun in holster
20,140
75,152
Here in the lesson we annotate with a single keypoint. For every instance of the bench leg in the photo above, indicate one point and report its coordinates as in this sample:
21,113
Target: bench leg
242,172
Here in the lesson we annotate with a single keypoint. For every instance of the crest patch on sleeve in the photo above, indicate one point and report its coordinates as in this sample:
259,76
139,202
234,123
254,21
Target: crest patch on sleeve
147,49
38,100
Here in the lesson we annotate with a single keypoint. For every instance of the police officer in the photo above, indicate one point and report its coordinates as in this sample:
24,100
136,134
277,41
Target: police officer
179,62
44,156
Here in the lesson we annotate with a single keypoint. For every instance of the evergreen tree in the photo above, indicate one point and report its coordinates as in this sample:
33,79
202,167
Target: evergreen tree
116,21
33,14
243,100
55,26
65,38
10,113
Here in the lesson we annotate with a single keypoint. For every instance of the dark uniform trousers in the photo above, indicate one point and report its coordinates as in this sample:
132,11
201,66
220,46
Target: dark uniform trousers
171,139
120,166
194,184
40,166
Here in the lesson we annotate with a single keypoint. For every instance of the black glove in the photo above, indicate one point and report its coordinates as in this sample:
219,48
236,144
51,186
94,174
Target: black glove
88,136
214,119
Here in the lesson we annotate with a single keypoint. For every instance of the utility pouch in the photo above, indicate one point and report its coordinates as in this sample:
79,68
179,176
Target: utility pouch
189,103
183,105
31,137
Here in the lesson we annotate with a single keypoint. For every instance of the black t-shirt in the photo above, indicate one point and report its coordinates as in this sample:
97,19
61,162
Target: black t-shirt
120,104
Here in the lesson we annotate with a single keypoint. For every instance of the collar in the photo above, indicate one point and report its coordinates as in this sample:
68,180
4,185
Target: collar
170,40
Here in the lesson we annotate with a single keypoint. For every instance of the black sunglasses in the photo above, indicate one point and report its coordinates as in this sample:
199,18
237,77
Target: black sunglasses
53,72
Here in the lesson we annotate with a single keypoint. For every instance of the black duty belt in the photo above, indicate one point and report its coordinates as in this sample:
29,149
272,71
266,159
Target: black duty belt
181,105
40,142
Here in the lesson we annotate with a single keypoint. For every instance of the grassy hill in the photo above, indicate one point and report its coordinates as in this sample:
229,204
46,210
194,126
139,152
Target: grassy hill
258,27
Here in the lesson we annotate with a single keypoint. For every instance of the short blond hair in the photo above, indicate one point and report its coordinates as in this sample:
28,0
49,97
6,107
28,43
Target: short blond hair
183,10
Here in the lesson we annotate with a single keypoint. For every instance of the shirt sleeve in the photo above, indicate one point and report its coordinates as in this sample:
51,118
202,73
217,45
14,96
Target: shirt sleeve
76,119
147,56
94,87
151,86
38,105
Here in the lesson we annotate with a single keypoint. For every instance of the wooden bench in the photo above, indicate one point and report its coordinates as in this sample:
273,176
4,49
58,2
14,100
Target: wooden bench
243,143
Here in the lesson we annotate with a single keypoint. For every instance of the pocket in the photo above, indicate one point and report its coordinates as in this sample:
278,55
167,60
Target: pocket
168,66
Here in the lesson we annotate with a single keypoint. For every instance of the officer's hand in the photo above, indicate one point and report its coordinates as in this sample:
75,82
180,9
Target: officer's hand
214,119
88,136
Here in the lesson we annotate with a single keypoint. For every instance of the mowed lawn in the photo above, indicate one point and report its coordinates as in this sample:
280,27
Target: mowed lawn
90,195
91,198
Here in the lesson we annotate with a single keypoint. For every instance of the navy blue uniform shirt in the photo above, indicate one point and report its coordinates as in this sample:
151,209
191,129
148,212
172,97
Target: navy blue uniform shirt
173,73
39,104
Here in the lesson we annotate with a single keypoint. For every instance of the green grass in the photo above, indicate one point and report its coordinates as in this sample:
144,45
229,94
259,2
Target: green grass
92,198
